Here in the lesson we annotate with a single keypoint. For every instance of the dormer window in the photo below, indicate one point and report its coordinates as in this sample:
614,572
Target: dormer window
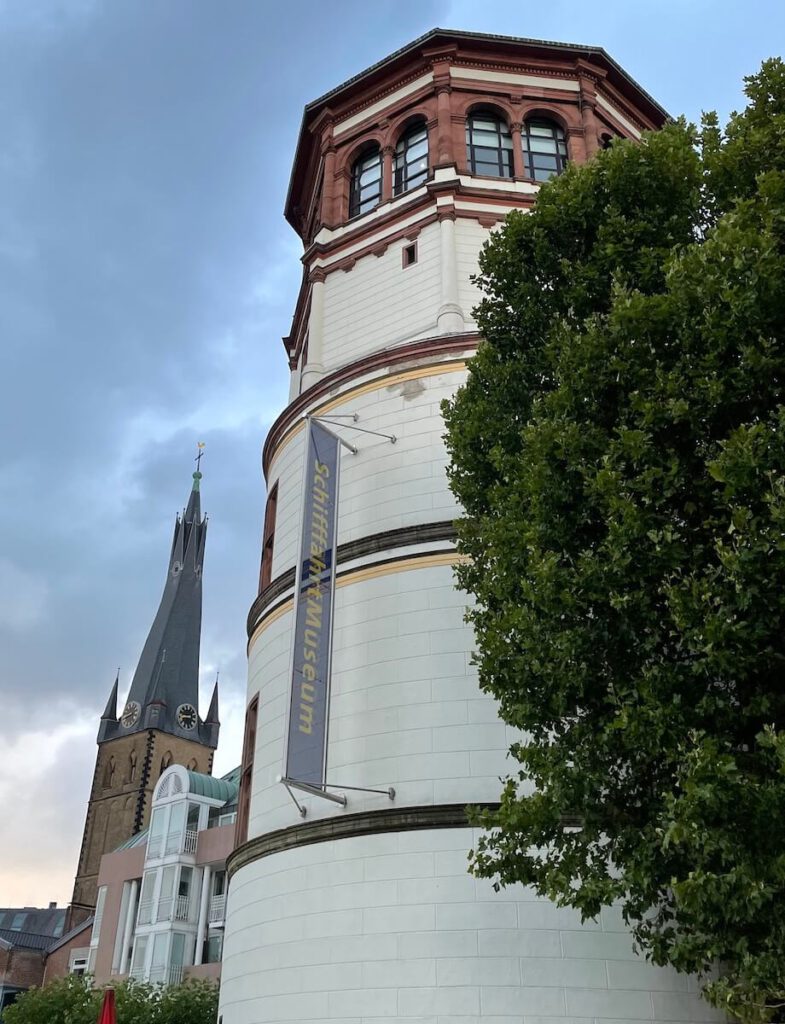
544,149
488,145
365,191
411,159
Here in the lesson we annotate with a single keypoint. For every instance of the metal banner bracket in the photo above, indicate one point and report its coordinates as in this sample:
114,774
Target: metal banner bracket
333,420
323,792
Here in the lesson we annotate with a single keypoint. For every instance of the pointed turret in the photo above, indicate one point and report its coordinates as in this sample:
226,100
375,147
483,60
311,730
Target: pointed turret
212,722
110,711
164,692
212,711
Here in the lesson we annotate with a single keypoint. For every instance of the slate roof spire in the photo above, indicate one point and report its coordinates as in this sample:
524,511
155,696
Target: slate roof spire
110,711
164,692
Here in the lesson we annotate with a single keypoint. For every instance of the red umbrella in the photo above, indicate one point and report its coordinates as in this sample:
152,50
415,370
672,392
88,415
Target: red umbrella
108,1014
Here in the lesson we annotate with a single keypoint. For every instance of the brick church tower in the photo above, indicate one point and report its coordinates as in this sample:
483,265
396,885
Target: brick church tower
160,724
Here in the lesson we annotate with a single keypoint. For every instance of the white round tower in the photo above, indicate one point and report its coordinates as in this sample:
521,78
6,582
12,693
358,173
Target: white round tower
364,909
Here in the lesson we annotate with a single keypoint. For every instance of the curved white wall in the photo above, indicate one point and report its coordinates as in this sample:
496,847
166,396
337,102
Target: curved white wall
392,927
385,486
405,708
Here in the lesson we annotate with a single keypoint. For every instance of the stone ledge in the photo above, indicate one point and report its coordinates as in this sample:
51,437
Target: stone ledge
387,540
349,826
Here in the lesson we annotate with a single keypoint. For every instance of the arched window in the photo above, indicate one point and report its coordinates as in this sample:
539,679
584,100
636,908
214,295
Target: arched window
166,760
544,149
488,145
109,773
132,766
192,765
411,158
366,187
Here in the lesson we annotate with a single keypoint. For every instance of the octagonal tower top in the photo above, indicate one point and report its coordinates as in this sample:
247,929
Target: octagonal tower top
524,74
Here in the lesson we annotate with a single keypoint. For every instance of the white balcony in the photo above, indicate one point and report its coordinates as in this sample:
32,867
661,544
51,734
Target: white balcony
163,975
182,908
191,838
217,910
174,909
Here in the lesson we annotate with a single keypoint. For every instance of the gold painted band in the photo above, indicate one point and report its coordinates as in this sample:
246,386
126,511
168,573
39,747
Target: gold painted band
416,351
384,567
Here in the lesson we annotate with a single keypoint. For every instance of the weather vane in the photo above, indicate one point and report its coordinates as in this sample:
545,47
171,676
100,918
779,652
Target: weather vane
200,453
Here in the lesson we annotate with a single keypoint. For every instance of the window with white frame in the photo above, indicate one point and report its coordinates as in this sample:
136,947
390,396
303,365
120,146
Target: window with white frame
155,837
147,898
139,956
77,961
165,907
95,935
174,834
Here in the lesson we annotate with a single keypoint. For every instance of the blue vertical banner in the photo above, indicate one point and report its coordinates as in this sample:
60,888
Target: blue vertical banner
306,749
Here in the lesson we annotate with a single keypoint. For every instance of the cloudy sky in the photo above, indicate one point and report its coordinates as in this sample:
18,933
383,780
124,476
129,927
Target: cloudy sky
146,278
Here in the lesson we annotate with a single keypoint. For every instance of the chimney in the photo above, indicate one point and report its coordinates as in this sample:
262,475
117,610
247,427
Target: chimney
53,905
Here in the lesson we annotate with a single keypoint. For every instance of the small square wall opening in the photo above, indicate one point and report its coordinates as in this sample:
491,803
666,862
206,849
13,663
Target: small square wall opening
409,255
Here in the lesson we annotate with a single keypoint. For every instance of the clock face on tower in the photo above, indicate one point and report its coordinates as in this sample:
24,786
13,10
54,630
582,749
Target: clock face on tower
131,714
186,716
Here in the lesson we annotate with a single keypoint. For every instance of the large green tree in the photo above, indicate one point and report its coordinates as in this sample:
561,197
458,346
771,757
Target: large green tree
619,450
73,1000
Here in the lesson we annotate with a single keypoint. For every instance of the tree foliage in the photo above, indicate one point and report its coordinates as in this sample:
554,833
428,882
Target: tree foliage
73,1000
619,450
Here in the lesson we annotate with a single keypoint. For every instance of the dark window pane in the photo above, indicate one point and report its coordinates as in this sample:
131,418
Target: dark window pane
484,124
485,139
365,189
489,149
544,145
542,160
545,151
411,159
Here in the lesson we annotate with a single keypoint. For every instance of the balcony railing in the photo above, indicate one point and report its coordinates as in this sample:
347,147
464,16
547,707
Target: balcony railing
173,909
174,842
217,909
163,975
182,908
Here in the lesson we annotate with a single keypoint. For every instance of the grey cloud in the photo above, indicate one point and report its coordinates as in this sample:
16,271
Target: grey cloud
146,278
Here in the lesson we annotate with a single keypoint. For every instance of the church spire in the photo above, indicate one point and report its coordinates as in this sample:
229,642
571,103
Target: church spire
110,711
212,712
164,692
